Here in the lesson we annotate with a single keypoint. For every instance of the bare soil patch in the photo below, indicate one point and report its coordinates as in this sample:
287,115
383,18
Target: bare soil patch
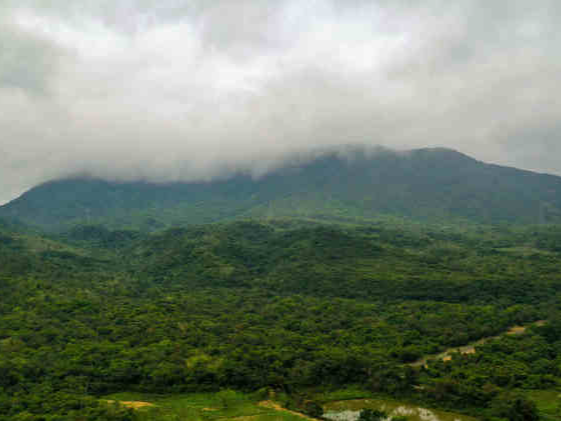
277,407
516,330
133,404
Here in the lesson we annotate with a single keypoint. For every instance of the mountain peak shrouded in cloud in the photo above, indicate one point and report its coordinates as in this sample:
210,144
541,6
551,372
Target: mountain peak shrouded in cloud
173,90
348,184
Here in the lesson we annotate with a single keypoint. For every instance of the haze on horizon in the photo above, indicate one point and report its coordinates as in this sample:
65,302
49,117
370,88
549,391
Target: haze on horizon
179,90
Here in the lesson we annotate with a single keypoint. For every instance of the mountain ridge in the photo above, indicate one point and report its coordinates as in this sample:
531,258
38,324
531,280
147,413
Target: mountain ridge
352,184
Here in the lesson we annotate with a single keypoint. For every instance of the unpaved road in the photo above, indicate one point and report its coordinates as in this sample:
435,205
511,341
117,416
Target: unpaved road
470,348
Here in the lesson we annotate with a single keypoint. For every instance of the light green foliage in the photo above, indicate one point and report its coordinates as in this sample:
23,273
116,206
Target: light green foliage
202,406
548,403
227,398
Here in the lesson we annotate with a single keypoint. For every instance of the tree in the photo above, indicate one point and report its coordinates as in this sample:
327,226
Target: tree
372,415
313,409
227,398
515,408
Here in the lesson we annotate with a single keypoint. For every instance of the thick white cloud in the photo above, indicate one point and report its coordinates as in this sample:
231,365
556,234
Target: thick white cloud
170,89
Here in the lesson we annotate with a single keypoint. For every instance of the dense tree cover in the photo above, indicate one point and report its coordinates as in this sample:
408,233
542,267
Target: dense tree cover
367,262
344,184
281,305
511,362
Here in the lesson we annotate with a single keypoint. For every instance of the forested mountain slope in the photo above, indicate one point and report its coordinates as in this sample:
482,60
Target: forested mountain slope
375,262
359,185
287,305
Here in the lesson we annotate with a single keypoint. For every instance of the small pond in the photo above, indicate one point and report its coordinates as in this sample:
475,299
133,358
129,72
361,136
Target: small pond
350,411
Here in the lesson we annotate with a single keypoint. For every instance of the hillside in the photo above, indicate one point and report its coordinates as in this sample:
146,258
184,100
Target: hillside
285,306
376,262
360,185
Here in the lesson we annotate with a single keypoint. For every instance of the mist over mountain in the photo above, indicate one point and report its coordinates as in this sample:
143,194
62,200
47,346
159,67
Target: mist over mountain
351,185
220,210
176,90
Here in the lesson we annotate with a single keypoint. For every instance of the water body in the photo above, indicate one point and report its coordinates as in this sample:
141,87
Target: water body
350,411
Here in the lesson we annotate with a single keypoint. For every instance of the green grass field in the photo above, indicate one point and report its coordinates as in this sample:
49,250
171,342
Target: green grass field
548,402
227,405
347,393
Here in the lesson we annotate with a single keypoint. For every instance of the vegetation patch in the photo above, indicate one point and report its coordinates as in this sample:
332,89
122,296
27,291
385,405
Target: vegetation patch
304,314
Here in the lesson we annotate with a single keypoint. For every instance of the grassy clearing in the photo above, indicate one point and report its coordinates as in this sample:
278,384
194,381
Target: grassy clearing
348,393
228,405
548,402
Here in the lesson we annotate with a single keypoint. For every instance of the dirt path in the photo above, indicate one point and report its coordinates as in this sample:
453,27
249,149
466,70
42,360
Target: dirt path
277,407
244,418
470,348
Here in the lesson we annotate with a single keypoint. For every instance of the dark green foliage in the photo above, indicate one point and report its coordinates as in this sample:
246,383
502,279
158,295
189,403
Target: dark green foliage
375,262
99,236
312,409
346,185
515,407
283,305
372,415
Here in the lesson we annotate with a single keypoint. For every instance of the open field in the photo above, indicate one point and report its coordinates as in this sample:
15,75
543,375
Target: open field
232,406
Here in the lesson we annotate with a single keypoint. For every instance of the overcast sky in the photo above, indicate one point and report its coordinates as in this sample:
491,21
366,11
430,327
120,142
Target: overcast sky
178,89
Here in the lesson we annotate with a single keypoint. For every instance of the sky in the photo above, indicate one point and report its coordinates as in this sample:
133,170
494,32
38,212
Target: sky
167,90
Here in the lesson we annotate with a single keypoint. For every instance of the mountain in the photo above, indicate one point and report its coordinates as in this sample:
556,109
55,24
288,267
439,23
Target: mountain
294,306
351,185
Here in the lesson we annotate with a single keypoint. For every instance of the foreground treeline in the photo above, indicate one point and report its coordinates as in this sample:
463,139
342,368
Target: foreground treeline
286,306
491,377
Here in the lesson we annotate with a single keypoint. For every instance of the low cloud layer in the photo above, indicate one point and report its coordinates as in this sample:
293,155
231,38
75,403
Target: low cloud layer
179,90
